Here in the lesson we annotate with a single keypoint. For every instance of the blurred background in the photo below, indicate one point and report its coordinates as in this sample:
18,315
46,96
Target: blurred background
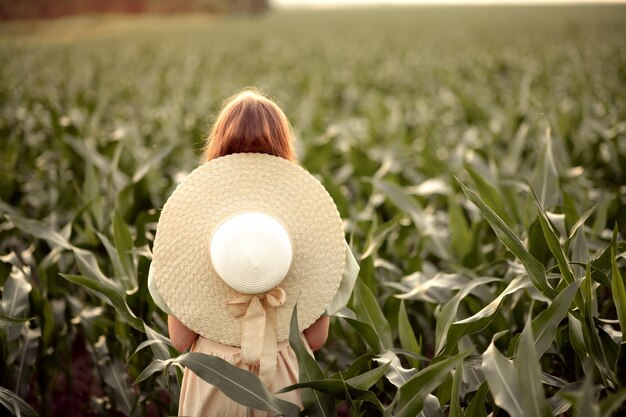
46,9
475,150
43,9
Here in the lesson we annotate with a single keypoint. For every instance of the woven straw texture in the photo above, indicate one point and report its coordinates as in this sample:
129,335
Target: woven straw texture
245,183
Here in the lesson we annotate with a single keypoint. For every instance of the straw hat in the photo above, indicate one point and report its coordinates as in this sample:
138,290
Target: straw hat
244,232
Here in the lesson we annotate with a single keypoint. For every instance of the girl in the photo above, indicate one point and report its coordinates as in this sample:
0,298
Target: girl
248,122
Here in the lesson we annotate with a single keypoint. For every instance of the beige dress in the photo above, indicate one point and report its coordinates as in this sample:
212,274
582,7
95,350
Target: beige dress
201,399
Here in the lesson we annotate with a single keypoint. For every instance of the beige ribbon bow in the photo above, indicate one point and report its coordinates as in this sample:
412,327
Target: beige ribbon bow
258,330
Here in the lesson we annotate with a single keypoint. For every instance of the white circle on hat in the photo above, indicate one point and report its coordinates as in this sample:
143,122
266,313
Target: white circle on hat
251,252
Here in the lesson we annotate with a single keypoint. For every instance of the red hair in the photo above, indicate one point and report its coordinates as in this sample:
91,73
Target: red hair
250,122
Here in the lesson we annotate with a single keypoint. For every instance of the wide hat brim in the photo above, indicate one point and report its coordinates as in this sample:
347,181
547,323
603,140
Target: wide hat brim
238,183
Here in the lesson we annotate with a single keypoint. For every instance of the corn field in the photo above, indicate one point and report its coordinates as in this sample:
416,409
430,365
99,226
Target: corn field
476,155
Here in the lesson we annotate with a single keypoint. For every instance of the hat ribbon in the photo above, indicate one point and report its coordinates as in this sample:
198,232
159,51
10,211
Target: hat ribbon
258,332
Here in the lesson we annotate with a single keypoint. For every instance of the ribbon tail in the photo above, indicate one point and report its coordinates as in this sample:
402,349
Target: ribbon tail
269,359
253,330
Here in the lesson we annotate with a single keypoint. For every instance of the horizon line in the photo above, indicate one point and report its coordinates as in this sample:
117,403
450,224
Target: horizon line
322,4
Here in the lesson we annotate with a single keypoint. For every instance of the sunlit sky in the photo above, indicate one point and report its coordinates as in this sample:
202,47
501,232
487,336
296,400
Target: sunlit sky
330,3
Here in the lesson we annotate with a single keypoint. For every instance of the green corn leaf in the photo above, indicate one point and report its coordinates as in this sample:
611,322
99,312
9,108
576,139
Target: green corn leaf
15,295
591,338
613,404
377,237
620,365
404,202
8,209
40,231
448,314
409,206
535,269
488,193
408,341
367,332
461,239
559,405
555,246
480,320
48,330
314,403
603,263
337,389
476,407
115,376
545,178
586,405
580,222
570,210
15,405
412,394
396,373
545,325
536,243
93,207
367,309
351,404
158,365
432,407
455,404
552,380
565,398
160,348
528,370
24,358
110,295
557,251
238,384
602,213
124,246
118,268
145,344
503,381
356,368
87,264
575,333
6,321
86,151
367,379
579,250
153,161
12,259
618,287
157,342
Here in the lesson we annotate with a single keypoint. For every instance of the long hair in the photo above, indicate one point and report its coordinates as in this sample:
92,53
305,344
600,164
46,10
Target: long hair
250,122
